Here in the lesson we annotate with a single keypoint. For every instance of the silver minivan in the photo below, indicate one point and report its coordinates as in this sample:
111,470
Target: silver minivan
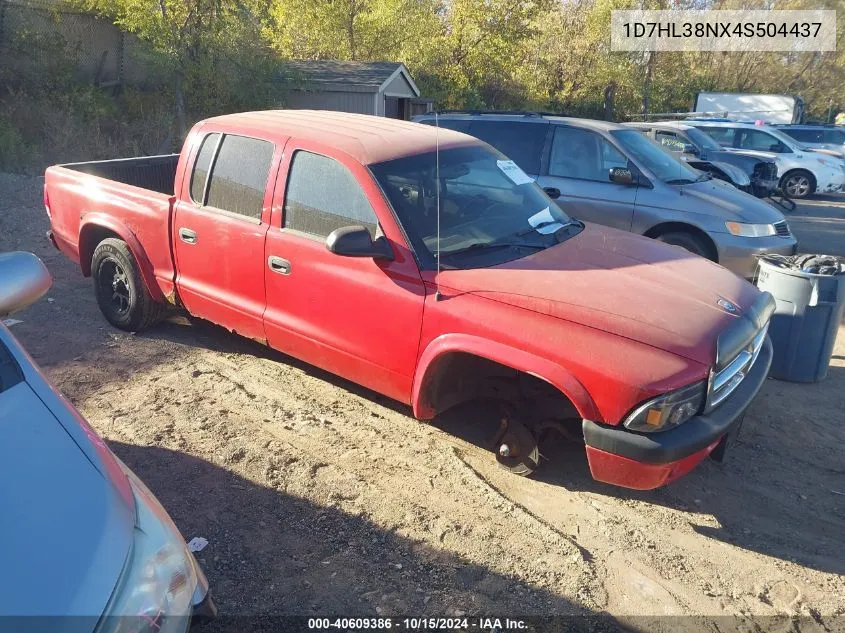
614,175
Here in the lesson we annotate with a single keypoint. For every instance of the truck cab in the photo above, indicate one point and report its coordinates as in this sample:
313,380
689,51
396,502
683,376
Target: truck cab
426,266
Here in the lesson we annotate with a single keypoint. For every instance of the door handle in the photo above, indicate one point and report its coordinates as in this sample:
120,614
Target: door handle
278,265
552,192
187,235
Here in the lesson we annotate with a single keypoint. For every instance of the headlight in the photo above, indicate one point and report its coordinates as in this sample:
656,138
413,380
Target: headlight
669,410
750,230
155,590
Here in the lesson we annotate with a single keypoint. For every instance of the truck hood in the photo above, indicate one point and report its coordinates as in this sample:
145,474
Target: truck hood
66,527
721,199
620,283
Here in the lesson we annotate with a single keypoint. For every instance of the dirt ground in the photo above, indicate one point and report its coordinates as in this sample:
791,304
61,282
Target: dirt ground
319,497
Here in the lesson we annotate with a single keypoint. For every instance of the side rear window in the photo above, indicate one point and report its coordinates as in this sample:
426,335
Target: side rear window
239,176
521,142
834,136
322,195
202,166
805,136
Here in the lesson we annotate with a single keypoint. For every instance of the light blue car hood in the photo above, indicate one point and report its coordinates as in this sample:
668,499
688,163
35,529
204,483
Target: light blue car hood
65,528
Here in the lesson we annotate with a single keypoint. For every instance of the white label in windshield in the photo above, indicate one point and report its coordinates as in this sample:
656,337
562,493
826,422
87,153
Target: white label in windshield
544,222
512,171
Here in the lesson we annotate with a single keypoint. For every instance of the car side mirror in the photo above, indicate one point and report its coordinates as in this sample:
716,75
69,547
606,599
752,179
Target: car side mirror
621,176
689,148
356,241
23,280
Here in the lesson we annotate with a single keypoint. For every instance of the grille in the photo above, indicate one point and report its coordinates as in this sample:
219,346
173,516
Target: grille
766,171
723,383
782,229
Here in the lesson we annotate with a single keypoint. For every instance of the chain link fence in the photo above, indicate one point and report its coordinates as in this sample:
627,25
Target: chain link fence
103,54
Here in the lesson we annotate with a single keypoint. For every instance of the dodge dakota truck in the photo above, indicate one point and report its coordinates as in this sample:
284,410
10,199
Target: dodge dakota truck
425,265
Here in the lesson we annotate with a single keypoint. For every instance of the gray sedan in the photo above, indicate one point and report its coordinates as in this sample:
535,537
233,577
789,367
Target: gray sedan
86,546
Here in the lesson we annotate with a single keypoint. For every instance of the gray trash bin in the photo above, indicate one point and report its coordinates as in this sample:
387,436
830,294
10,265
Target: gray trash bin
808,313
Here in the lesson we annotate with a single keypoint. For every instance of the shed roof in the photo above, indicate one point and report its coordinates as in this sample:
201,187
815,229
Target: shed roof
368,139
328,73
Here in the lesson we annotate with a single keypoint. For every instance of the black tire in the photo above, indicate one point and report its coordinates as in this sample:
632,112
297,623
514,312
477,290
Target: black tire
121,293
688,241
798,184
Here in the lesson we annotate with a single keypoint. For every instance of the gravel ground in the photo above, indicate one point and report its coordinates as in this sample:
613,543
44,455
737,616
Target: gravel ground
319,497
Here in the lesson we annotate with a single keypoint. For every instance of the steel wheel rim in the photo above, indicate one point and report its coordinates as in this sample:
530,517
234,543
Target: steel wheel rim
114,286
797,186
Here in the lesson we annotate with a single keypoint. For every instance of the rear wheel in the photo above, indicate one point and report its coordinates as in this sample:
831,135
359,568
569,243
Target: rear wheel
688,241
121,293
798,184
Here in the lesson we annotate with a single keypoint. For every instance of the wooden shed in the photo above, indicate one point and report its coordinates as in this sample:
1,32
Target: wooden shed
379,88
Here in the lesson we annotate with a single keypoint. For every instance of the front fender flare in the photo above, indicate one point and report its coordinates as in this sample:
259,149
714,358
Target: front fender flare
96,220
520,360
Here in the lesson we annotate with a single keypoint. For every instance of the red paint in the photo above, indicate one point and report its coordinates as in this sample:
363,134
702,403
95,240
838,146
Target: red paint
609,318
621,471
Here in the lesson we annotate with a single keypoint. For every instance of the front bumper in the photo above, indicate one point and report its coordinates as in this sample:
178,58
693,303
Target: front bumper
740,254
649,460
763,188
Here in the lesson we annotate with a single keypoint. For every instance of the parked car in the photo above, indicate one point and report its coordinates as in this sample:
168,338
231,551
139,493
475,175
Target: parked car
752,172
817,136
86,544
611,174
803,171
428,267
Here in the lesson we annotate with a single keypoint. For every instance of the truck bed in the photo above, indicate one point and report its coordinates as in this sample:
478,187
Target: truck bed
156,173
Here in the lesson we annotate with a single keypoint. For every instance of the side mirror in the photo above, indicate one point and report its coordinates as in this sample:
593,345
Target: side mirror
689,148
355,241
23,280
621,176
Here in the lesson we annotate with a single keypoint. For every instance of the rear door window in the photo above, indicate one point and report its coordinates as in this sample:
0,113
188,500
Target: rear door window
239,175
202,165
322,195
582,154
522,142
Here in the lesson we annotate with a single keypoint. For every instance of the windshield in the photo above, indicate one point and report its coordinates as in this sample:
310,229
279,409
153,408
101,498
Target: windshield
490,211
702,140
659,162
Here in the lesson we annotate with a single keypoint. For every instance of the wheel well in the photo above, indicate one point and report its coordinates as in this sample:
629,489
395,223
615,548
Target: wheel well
680,227
459,377
91,236
803,171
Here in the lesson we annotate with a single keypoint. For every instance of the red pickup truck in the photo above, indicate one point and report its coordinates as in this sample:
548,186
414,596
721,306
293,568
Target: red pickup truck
426,266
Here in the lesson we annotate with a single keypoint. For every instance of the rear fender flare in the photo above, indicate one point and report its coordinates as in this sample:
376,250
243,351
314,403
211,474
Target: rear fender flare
520,360
94,221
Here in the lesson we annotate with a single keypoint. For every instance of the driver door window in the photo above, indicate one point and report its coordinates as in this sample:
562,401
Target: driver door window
322,195
583,155
761,141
